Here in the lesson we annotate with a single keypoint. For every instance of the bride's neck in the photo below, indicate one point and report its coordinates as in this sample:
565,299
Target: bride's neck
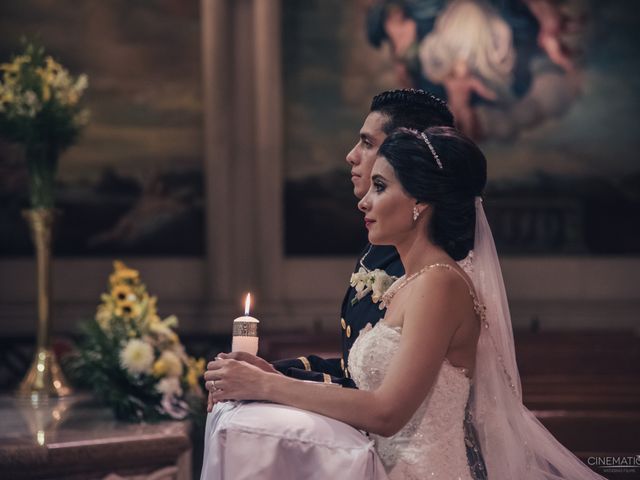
418,252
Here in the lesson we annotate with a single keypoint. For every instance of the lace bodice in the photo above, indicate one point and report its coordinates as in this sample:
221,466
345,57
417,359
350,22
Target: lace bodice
432,443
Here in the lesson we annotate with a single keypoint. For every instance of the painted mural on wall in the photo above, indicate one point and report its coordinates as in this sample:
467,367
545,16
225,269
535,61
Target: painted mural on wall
133,183
498,63
548,88
330,75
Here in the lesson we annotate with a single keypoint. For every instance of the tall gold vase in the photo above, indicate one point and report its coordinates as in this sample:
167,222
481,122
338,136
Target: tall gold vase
44,378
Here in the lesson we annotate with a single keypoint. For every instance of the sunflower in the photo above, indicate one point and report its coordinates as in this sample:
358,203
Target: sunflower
127,309
120,293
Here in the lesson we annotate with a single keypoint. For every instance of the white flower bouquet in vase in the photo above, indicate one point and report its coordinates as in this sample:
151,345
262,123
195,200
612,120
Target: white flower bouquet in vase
41,111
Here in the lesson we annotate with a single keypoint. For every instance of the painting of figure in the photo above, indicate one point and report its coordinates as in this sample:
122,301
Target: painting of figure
549,88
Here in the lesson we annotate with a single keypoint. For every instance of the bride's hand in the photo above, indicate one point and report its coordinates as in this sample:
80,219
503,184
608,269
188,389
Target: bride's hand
229,379
261,363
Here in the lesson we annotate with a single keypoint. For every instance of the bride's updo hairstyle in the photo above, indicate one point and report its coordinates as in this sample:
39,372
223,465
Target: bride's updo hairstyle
449,181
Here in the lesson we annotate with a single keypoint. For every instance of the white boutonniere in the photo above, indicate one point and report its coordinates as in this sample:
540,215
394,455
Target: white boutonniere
375,282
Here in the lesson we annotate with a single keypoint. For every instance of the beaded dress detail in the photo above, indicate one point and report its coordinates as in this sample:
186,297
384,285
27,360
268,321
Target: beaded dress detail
432,443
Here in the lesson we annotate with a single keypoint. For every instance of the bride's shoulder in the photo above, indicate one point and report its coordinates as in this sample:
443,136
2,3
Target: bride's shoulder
442,276
441,285
438,303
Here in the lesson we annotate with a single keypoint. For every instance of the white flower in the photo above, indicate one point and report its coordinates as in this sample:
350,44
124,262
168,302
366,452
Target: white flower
358,279
169,387
171,404
163,331
175,408
173,363
171,321
377,282
361,281
81,84
137,357
159,329
381,283
103,317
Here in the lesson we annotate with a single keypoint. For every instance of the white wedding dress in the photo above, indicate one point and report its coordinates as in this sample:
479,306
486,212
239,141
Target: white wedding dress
432,443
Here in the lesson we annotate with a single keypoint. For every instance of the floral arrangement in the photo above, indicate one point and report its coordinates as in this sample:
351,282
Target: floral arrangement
377,282
40,109
133,360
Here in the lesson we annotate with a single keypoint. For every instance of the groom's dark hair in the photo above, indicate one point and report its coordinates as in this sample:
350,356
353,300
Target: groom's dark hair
411,108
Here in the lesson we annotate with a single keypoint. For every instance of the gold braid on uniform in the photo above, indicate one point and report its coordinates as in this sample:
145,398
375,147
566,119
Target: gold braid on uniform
305,362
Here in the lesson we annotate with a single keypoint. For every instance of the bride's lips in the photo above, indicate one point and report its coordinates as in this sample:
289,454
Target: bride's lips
368,222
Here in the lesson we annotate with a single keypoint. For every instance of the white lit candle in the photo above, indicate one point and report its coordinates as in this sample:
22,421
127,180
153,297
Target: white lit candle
245,331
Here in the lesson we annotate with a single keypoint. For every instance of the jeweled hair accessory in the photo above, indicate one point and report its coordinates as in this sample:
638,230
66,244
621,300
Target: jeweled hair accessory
426,140
433,150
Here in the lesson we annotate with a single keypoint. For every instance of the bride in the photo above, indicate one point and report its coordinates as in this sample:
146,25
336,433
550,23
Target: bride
444,351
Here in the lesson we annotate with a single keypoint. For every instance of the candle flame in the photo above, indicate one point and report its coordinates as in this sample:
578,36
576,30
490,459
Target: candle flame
247,304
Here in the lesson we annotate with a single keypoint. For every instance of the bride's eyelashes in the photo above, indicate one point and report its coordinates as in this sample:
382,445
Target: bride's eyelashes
379,186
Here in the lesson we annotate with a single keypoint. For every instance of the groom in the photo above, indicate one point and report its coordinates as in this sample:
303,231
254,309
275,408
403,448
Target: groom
389,110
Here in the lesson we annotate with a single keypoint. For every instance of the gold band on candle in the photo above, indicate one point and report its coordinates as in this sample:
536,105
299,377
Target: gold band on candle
245,329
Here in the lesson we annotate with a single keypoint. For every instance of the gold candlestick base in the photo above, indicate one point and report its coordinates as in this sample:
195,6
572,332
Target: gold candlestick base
44,378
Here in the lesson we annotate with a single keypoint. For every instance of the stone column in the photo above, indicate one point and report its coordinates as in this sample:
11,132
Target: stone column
217,109
242,97
269,140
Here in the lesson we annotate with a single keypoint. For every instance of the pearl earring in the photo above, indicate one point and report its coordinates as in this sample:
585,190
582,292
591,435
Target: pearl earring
415,213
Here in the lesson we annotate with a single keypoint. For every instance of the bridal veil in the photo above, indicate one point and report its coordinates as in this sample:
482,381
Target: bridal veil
514,444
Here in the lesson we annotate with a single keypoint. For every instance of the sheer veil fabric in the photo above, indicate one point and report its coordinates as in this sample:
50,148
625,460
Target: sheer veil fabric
513,442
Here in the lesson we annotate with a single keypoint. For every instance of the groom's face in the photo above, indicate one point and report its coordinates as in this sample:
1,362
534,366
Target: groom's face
363,155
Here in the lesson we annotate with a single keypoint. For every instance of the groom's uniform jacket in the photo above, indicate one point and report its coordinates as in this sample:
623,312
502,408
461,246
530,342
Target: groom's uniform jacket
354,317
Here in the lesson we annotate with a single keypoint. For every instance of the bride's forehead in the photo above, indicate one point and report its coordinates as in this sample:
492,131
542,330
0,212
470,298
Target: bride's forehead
382,167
